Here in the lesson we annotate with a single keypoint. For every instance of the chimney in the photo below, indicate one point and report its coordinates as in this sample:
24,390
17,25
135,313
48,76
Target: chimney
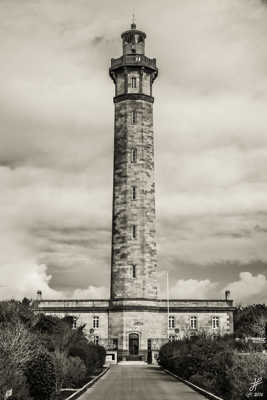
227,295
39,295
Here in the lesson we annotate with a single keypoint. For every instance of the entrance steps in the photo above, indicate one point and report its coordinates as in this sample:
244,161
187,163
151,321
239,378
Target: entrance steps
132,363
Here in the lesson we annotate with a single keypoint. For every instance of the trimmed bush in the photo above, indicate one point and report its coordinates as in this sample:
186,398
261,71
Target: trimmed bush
75,373
40,373
92,355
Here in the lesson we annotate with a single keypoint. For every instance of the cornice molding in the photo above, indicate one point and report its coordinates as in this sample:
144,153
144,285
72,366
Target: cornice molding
133,96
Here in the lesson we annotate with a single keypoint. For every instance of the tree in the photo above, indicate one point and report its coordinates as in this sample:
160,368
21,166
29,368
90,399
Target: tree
60,361
250,320
17,348
12,312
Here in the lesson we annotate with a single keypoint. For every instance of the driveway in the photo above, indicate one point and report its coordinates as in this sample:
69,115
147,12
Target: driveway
142,382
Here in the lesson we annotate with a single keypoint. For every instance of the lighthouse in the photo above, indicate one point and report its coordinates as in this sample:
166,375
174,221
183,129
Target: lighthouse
133,253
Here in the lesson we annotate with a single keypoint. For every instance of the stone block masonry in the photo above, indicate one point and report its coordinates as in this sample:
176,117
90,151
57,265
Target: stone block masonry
133,203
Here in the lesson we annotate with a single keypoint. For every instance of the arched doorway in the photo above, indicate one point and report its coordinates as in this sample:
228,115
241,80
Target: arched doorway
133,344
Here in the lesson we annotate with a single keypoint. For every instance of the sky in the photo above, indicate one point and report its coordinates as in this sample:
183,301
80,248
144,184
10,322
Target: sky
56,145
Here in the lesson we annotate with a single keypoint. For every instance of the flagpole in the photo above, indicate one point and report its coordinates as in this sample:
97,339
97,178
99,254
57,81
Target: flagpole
168,302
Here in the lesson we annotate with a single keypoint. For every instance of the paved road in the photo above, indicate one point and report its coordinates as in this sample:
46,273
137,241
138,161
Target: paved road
141,382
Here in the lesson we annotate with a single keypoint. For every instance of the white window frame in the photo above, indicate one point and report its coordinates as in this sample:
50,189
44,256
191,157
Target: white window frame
96,321
193,322
215,322
171,322
74,322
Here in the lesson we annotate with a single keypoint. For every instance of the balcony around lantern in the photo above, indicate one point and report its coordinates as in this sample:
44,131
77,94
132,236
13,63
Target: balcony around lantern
133,59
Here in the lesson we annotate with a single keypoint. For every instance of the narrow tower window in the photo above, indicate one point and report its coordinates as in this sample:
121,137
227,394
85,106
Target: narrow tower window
134,271
133,80
134,155
134,117
133,192
134,231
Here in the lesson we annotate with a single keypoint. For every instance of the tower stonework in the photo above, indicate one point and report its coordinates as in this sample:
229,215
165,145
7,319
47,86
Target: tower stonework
134,255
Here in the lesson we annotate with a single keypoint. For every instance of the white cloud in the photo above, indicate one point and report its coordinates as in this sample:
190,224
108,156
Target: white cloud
92,292
192,289
249,287
24,280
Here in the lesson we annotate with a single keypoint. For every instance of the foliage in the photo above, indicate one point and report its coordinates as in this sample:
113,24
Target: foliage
12,312
75,373
244,370
15,380
40,373
41,353
250,320
60,360
214,364
92,355
17,347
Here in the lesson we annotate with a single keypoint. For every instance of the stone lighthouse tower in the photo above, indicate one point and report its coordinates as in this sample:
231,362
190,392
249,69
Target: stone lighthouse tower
134,255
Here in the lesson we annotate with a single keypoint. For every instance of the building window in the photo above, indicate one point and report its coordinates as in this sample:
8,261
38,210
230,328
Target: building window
96,339
134,155
134,271
215,322
193,322
134,118
172,338
171,322
95,322
133,192
133,82
134,231
74,323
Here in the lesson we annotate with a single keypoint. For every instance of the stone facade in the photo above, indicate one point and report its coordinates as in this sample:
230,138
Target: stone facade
148,319
135,322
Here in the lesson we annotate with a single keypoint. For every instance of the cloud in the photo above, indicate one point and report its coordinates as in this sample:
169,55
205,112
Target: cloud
47,219
192,289
56,137
92,292
249,288
24,279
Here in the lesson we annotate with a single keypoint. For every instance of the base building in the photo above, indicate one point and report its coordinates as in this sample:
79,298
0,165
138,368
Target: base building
135,322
